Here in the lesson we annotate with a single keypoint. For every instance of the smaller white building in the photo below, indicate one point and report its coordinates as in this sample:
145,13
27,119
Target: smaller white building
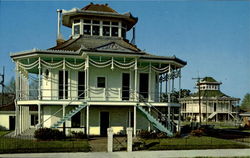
8,116
215,105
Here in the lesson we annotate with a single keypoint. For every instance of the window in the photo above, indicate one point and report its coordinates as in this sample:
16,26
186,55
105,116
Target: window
77,21
81,84
115,31
86,29
76,29
63,92
96,22
100,82
123,33
106,31
96,30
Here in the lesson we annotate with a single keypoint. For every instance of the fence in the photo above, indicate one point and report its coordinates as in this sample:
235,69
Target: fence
28,144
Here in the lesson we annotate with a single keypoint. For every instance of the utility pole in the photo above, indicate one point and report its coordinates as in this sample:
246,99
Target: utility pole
199,93
2,84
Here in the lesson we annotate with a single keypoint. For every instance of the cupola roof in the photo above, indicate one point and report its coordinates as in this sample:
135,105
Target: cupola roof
101,11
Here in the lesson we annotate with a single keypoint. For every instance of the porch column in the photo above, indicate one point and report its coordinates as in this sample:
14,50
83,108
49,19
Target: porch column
149,85
64,79
169,90
135,120
17,120
20,119
135,79
17,82
149,124
63,106
39,114
228,108
179,121
87,120
39,78
87,91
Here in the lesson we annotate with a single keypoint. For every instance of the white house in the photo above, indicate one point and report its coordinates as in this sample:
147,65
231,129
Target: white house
96,79
215,105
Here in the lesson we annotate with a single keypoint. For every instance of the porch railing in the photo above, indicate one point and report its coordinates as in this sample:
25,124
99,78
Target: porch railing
91,94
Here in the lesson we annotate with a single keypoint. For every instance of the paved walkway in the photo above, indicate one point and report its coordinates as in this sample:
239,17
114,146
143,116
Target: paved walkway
141,154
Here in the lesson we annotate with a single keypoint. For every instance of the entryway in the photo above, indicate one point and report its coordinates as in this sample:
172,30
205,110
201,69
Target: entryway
104,123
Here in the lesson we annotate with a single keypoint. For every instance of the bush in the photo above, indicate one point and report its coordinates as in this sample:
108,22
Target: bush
78,135
151,134
197,132
49,134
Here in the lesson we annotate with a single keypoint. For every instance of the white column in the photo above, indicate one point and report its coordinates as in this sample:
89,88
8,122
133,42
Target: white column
64,79
149,124
17,120
135,120
169,90
129,117
149,80
39,115
17,82
87,120
39,79
136,69
21,119
87,78
120,29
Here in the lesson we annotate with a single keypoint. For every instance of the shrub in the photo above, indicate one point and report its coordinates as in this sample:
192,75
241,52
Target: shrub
79,135
49,134
151,134
197,132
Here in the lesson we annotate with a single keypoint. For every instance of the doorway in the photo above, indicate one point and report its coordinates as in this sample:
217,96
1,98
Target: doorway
143,86
104,123
125,86
76,120
12,122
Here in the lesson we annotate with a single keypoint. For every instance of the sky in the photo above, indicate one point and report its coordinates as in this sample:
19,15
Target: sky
212,36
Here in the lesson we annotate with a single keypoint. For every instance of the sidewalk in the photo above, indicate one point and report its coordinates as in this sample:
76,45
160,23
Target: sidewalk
141,154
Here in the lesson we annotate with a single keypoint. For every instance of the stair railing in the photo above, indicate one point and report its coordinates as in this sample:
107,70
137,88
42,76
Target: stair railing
76,98
171,124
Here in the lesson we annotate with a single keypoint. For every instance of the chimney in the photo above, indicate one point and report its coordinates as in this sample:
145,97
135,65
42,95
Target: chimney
59,39
133,37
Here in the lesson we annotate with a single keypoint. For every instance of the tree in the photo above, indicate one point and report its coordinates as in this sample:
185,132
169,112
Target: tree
175,95
11,86
245,104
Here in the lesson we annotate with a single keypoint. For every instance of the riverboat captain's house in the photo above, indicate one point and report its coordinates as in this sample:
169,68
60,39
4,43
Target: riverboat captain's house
96,79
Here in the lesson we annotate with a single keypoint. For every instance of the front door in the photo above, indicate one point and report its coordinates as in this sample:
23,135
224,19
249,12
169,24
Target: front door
143,86
11,122
125,86
104,123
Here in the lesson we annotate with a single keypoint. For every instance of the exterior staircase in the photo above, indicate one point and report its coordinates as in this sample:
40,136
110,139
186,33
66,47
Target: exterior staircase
212,115
69,115
155,122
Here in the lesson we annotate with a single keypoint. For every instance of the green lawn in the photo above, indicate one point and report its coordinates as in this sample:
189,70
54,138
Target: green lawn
192,142
2,133
14,145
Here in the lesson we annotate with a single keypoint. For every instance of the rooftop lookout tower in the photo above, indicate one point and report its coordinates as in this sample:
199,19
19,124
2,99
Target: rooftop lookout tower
97,20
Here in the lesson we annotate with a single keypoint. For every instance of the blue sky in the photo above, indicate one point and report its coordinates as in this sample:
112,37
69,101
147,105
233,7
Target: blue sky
212,36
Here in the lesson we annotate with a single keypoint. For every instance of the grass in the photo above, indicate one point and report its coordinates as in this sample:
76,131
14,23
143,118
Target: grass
192,142
15,145
2,133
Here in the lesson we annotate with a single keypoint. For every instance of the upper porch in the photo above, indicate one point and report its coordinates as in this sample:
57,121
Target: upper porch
72,77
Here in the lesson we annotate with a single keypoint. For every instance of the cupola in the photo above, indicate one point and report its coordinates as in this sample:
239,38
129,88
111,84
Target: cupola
98,20
209,83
